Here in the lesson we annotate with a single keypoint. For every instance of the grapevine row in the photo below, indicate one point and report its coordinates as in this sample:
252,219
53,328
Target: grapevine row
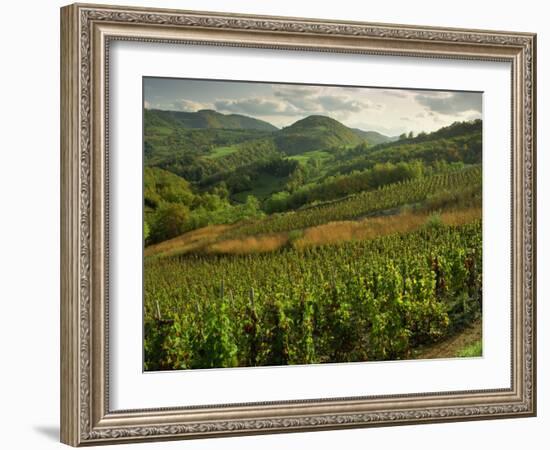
366,203
357,301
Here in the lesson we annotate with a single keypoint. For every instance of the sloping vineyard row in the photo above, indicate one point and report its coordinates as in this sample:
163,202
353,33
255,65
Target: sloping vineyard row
387,197
358,301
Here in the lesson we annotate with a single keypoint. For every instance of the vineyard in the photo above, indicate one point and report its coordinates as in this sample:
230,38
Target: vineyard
356,301
462,183
308,240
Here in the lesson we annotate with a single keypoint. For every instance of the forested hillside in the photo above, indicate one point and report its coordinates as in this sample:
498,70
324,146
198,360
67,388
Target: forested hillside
315,160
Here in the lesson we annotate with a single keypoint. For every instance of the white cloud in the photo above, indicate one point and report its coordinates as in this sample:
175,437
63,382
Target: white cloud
450,103
343,103
390,111
183,105
190,106
293,91
254,106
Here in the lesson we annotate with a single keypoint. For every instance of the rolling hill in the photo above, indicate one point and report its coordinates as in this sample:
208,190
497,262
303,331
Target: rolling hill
297,161
315,133
373,137
206,119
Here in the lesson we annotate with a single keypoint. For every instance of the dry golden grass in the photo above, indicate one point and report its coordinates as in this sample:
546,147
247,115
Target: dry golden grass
334,232
210,239
461,217
193,240
251,244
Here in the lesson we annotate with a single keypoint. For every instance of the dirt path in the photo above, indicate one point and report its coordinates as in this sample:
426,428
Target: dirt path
450,347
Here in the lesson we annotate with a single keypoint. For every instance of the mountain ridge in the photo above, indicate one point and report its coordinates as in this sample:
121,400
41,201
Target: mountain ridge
212,119
209,119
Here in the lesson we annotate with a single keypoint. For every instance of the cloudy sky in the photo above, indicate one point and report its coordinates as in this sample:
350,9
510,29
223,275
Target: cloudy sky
388,111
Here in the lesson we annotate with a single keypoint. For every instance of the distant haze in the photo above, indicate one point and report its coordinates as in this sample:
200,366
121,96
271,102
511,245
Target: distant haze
388,111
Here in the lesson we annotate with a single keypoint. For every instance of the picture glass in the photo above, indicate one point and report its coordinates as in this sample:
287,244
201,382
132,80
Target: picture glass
297,224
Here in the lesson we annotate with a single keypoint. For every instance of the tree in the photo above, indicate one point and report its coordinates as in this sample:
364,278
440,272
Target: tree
146,231
295,180
277,202
161,185
221,190
170,221
251,208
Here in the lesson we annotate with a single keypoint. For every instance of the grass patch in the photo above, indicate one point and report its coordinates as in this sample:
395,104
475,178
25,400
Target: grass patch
247,245
218,152
304,157
159,131
190,241
471,351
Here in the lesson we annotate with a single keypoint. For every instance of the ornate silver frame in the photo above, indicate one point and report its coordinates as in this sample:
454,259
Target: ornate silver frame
86,31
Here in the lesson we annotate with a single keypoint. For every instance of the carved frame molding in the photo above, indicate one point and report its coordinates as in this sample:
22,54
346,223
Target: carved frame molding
86,32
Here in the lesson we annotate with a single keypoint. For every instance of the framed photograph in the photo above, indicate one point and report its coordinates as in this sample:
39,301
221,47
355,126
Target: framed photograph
276,224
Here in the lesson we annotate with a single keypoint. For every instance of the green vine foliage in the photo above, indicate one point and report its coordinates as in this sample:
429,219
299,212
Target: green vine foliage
358,301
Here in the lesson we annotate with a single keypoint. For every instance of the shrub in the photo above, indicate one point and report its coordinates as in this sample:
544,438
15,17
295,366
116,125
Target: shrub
434,221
